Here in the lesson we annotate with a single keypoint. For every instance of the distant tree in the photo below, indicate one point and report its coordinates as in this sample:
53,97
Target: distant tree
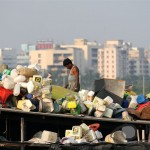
87,80
57,78
138,82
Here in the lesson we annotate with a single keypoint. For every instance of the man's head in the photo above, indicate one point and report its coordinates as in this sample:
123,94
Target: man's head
67,63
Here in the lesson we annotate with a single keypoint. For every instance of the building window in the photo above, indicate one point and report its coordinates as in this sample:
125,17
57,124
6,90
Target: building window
94,55
39,55
67,55
39,61
94,52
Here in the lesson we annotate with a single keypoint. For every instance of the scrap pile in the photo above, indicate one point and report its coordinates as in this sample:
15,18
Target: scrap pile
25,89
138,106
82,133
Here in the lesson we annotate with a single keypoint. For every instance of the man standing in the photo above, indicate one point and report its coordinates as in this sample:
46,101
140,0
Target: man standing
73,78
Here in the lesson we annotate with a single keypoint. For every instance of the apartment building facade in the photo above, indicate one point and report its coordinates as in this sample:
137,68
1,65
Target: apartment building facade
117,59
52,59
22,59
112,59
147,61
8,57
90,51
138,62
26,48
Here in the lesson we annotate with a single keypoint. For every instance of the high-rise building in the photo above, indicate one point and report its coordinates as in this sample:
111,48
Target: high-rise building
22,60
90,51
147,61
26,48
112,59
138,61
8,57
52,59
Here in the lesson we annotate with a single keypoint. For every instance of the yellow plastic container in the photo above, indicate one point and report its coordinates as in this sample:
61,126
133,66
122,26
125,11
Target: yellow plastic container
60,92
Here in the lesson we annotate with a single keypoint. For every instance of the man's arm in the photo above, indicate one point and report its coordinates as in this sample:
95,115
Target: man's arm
76,73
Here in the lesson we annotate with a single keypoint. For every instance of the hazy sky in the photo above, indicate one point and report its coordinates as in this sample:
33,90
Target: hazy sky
23,21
